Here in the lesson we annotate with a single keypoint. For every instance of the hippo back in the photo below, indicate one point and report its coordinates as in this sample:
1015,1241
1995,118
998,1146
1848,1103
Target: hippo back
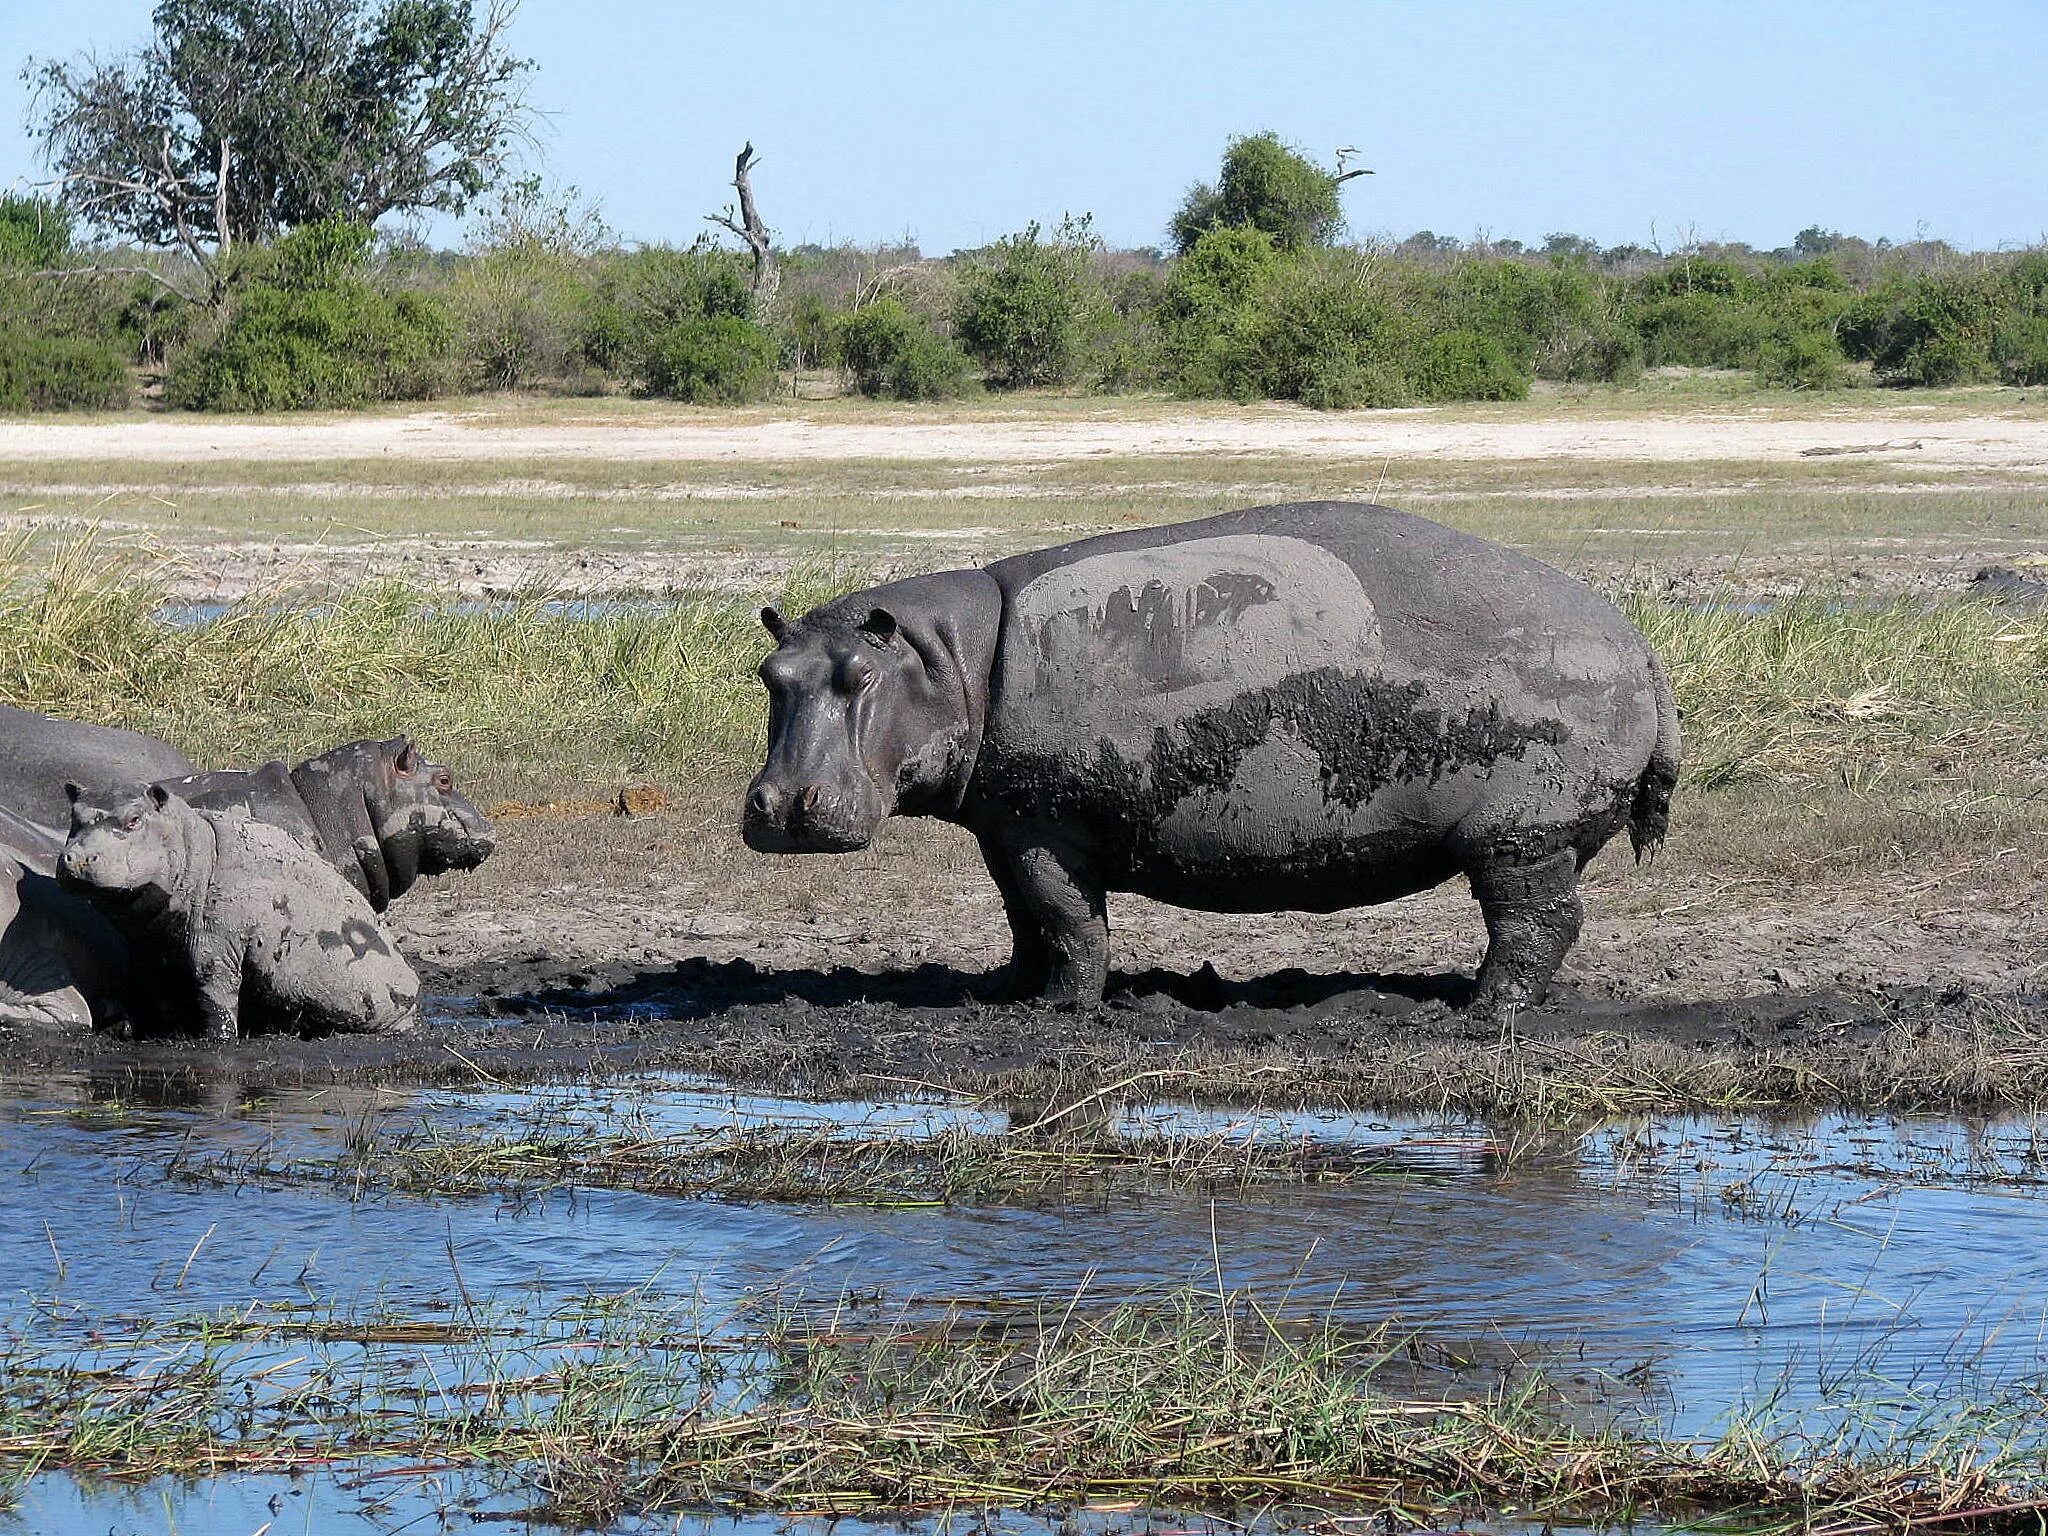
40,753
1289,686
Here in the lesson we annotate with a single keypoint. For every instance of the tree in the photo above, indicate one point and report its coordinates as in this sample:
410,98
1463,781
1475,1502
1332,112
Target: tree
1266,185
748,225
241,119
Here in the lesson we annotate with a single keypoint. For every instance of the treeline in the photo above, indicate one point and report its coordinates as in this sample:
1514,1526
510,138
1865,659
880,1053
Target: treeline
1247,308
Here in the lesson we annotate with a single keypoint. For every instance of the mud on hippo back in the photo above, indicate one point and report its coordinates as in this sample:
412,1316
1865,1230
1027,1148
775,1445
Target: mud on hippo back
379,811
1303,707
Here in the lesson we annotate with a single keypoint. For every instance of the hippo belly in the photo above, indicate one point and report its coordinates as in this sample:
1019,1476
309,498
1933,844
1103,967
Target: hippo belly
1223,723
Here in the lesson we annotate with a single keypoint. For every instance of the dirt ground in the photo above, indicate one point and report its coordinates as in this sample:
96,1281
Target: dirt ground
1924,436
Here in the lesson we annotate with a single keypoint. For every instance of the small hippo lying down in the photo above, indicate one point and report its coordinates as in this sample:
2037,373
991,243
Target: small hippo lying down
243,918
378,811
1307,707
39,753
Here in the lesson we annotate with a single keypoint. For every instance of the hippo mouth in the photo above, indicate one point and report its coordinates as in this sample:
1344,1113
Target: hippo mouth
765,835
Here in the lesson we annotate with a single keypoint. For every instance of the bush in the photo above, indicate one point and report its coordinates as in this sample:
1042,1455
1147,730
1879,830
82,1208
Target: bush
718,361
1317,331
1697,330
1267,186
308,328
1801,360
520,312
2021,350
1026,308
889,351
1464,365
34,232
1593,352
1930,330
59,373
681,324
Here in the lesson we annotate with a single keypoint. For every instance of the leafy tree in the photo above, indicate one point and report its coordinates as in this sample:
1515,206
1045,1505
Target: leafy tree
240,119
1026,306
1265,185
33,232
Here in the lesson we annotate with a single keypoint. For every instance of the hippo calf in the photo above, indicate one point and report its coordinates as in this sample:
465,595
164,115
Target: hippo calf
1303,707
380,811
249,921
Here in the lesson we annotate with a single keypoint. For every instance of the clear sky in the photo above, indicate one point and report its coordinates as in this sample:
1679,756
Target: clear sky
955,121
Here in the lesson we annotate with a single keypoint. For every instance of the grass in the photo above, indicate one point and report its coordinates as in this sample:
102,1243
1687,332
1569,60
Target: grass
633,1405
1932,710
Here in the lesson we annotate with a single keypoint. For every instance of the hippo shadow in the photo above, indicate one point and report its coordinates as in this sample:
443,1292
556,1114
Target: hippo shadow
699,988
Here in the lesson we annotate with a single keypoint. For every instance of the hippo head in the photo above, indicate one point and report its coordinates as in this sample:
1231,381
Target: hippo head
137,848
871,713
417,822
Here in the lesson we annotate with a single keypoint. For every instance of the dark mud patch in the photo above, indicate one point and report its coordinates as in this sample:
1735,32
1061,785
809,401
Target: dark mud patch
1295,1037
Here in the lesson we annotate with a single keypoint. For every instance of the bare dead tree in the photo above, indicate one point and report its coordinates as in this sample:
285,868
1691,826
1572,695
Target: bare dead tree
748,226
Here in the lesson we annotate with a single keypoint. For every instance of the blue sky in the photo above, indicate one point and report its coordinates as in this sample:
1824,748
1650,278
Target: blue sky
957,122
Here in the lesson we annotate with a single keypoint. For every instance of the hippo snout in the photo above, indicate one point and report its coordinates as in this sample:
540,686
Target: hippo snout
809,819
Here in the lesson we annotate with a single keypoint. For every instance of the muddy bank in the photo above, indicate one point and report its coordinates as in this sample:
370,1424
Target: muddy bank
1293,1038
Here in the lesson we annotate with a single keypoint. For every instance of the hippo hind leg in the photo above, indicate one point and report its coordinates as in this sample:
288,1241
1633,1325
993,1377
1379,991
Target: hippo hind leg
1059,921
1532,914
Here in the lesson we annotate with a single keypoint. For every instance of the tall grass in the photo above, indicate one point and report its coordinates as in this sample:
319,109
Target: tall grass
537,693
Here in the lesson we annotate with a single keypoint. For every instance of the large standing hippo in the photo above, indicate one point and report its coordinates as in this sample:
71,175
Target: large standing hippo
39,754
255,927
1304,707
378,811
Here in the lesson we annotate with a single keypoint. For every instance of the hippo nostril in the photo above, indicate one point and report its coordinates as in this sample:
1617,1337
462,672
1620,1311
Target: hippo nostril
760,803
807,802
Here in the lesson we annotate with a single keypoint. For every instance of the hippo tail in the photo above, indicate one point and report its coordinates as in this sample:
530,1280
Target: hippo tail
1650,816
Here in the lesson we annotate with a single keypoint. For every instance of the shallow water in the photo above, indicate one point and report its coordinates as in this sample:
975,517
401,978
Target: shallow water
1696,1266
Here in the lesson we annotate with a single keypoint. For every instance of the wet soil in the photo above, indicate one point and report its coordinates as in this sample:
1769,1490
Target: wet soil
598,944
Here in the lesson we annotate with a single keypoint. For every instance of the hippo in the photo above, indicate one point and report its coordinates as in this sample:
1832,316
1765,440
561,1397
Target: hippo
255,926
40,753
379,811
1310,707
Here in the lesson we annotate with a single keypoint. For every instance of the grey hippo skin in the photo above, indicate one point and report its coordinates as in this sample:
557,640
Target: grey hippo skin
378,811
256,926
63,966
39,754
1306,707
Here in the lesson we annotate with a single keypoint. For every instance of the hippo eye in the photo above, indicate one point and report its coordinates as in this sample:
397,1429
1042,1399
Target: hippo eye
854,675
444,782
130,823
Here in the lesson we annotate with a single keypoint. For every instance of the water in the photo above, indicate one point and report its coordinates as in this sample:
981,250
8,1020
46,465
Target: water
1696,1266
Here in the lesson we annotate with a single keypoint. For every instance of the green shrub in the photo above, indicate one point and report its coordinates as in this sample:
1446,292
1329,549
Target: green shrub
889,351
59,373
723,360
1592,352
520,312
806,333
2020,350
1801,360
1026,307
1465,365
308,328
1317,330
1929,330
1267,186
34,232
680,323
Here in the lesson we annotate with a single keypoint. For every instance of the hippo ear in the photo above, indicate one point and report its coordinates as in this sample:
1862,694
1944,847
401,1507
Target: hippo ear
159,795
775,624
880,623
73,793
407,757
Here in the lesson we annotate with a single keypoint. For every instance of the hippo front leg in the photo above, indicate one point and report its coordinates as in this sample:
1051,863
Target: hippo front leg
1059,921
220,1001
1532,916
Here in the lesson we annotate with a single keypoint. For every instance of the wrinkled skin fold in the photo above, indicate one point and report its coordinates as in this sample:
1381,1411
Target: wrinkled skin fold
1305,707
